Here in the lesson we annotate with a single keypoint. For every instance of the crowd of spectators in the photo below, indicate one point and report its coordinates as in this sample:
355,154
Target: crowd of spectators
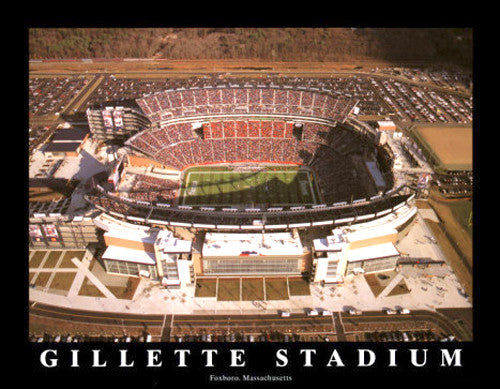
51,95
327,150
224,100
229,141
250,129
149,188
114,205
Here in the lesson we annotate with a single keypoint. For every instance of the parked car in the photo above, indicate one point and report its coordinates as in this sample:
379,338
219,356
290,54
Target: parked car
354,312
284,314
404,311
312,312
390,312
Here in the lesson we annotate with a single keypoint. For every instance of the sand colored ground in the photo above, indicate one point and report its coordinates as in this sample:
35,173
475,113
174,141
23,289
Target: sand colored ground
201,65
452,145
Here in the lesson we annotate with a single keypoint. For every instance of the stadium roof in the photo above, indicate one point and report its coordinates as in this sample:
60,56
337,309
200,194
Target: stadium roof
238,244
371,252
168,243
129,255
136,235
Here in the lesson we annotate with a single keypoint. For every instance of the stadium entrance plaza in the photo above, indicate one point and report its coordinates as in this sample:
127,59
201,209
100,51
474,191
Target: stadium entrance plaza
425,289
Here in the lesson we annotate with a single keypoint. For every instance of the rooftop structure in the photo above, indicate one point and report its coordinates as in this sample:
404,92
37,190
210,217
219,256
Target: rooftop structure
236,244
348,252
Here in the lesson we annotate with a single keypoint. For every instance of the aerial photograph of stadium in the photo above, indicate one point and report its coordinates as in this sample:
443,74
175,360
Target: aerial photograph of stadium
250,184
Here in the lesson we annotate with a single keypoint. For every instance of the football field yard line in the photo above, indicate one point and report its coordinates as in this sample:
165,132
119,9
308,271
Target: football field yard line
309,178
228,187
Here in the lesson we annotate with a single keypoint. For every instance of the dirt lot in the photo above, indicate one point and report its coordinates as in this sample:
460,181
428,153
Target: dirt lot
42,279
62,281
155,66
66,261
125,292
229,290
452,145
460,270
52,259
298,287
378,282
89,289
37,258
252,289
206,288
399,289
276,289
455,239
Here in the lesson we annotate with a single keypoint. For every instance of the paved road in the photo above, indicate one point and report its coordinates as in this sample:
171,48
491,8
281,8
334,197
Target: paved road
94,317
447,325
254,323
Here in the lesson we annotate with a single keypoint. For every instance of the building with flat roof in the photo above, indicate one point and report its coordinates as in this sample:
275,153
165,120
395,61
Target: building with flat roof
386,125
66,142
237,254
346,253
135,250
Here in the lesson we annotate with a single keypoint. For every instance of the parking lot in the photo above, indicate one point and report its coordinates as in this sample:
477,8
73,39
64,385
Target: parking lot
50,95
377,96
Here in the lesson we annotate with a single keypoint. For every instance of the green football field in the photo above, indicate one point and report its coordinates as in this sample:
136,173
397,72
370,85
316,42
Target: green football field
218,186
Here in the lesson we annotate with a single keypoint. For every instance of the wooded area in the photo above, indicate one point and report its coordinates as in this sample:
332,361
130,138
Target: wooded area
443,46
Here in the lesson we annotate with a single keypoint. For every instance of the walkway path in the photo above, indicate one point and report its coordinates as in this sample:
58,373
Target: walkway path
80,277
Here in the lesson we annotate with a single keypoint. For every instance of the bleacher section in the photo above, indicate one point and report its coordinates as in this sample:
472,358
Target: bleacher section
325,149
148,188
179,103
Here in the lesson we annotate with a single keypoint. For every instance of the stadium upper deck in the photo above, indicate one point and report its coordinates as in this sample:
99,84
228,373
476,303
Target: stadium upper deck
224,100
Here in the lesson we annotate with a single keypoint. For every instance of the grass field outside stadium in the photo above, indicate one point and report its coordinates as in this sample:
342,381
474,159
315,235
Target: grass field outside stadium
248,185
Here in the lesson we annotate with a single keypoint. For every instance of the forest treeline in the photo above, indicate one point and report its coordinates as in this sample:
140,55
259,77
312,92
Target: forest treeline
444,46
